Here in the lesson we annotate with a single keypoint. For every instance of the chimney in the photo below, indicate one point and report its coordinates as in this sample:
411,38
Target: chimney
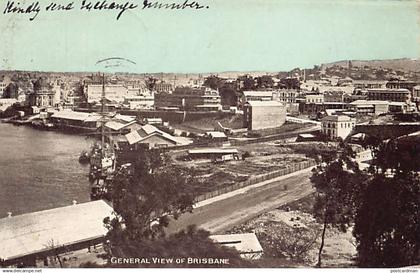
9,214
74,202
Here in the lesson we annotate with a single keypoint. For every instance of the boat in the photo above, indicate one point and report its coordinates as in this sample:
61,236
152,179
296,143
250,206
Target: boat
102,159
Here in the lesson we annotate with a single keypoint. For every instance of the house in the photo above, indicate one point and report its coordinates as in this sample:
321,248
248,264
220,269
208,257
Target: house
264,114
216,136
335,127
32,237
246,244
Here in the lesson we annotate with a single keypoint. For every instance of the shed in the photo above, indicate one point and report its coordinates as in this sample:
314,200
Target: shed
26,237
246,244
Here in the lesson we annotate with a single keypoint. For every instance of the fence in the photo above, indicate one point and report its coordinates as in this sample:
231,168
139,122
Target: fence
257,179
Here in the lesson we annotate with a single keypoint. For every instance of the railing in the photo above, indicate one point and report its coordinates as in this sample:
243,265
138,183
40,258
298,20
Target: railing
257,179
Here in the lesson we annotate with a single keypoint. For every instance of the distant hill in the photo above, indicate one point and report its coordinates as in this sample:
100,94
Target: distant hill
395,64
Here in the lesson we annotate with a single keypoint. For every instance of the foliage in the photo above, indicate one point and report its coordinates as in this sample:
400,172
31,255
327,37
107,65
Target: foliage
387,224
213,81
146,196
338,182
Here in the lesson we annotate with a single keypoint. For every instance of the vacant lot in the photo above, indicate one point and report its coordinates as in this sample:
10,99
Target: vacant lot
290,235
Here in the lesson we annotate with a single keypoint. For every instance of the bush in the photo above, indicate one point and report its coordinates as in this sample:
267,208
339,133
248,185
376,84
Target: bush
245,155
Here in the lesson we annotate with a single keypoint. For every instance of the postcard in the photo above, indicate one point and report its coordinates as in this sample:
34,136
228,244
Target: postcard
209,134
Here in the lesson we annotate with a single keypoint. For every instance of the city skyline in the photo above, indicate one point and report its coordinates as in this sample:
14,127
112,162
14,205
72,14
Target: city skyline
226,37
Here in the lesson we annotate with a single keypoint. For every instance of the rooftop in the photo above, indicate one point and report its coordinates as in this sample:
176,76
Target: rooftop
36,232
213,151
265,103
258,93
73,115
243,243
338,118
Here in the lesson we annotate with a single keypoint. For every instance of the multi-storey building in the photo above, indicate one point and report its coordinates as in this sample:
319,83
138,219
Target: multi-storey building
190,99
113,92
43,95
314,98
285,95
369,84
399,95
264,114
335,127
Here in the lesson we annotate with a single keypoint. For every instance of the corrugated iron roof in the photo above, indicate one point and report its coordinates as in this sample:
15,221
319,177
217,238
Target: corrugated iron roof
39,231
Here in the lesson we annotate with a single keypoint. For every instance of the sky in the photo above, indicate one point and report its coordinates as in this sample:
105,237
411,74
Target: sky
231,35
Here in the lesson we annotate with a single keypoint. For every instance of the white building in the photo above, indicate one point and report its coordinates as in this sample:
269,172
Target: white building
335,127
113,92
314,98
140,102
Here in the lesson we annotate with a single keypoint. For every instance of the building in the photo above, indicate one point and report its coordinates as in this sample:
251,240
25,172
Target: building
256,96
190,99
151,137
113,92
163,87
264,114
369,107
43,95
139,102
3,84
285,95
214,154
398,95
314,98
31,238
369,84
216,136
401,84
333,96
335,127
313,109
73,120
416,93
246,244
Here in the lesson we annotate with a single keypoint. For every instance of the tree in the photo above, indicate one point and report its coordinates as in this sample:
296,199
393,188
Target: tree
151,82
145,197
214,82
265,81
387,224
338,184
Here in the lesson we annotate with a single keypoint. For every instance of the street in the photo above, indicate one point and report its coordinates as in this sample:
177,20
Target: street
222,215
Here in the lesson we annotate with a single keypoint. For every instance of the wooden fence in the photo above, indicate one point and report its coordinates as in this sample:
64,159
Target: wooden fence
257,179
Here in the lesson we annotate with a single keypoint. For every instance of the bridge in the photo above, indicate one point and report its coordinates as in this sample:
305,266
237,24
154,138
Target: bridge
386,131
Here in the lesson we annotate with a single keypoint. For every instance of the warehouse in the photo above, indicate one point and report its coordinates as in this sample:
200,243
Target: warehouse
264,114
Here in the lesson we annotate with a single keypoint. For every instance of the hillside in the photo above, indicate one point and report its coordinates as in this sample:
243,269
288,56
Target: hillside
395,64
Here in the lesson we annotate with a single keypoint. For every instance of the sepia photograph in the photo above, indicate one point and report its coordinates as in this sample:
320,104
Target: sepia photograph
209,134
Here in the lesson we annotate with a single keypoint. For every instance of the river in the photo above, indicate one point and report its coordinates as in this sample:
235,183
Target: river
40,169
